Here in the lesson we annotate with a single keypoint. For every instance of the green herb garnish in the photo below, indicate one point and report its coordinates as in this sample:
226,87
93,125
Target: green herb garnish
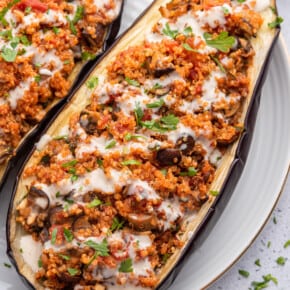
101,249
222,42
191,171
187,31
86,55
214,192
117,225
72,271
129,137
166,123
244,273
68,235
187,47
132,82
126,266
28,10
219,64
257,262
157,104
53,236
39,262
37,79
96,202
55,30
281,261
168,32
265,283
138,114
65,257
276,23
7,265
92,82
69,163
8,54
241,1
287,244
5,10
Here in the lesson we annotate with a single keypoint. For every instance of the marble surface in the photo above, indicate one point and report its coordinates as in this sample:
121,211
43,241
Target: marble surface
269,245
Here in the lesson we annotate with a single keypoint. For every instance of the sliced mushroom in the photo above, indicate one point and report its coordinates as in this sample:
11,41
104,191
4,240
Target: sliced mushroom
232,110
227,136
37,198
44,235
168,156
77,52
88,122
185,144
159,72
94,42
142,222
81,223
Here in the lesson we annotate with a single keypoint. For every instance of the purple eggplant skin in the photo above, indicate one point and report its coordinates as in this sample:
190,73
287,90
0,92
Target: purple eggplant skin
237,166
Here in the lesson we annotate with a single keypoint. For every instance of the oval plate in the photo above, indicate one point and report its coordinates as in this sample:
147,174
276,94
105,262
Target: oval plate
254,196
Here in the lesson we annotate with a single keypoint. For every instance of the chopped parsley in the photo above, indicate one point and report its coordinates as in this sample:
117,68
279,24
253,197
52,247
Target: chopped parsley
65,257
225,10
92,82
222,42
164,171
187,47
8,54
258,263
129,137
191,171
157,104
111,144
39,262
138,114
24,40
169,32
28,10
101,249
265,282
94,203
100,162
117,225
53,236
244,273
132,82
71,163
157,86
274,220
241,1
281,261
126,266
7,265
86,55
164,124
72,271
214,192
287,244
78,16
269,244
276,23
55,30
218,63
37,79
5,10
68,235
187,31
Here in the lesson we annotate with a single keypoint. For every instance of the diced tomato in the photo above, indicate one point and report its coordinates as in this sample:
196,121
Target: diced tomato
147,115
36,5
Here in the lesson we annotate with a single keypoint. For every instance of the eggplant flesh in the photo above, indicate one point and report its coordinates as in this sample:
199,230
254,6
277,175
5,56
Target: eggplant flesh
51,45
132,175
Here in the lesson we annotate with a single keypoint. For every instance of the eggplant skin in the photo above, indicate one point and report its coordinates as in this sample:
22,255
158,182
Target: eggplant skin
72,40
99,119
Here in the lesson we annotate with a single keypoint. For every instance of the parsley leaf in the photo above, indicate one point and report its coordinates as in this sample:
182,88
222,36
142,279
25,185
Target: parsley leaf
68,235
126,266
92,82
168,32
287,244
222,42
218,63
8,54
281,261
159,103
187,31
96,202
72,271
69,163
117,225
191,171
129,137
276,23
65,257
138,114
187,47
257,262
101,249
86,55
214,192
111,144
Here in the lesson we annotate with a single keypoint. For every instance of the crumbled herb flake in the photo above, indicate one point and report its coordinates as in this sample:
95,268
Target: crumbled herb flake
214,192
116,225
69,163
187,47
57,194
126,266
86,55
28,10
138,114
157,104
92,82
187,31
37,78
131,162
129,137
287,244
244,273
8,54
100,162
274,220
281,261
164,171
218,63
65,257
268,244
191,171
39,262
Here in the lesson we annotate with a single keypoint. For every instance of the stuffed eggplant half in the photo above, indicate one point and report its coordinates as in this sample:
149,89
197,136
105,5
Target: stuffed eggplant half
44,45
118,185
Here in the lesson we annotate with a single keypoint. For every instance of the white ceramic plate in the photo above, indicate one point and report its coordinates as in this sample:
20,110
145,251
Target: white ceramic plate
253,198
